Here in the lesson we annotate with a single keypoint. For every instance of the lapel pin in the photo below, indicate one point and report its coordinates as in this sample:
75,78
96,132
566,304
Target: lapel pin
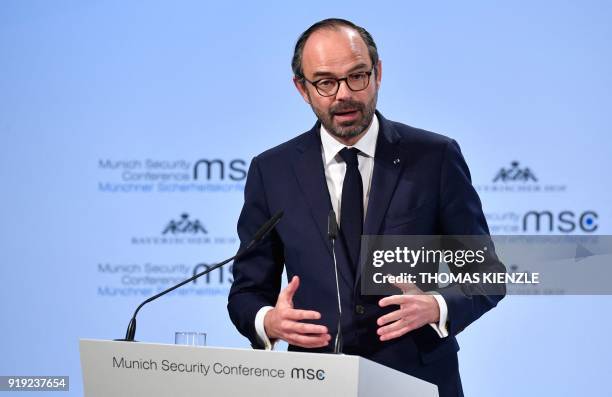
396,161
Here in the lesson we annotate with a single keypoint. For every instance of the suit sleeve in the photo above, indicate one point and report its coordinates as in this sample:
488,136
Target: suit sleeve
461,215
257,276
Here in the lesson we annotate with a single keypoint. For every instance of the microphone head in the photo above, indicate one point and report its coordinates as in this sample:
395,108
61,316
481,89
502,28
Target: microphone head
332,225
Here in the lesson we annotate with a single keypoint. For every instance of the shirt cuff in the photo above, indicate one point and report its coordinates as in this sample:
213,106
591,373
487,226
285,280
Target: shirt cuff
261,330
440,327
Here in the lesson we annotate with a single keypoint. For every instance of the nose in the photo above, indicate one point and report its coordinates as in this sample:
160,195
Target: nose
344,92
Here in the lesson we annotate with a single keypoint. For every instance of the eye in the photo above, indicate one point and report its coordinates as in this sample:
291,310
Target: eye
357,76
326,83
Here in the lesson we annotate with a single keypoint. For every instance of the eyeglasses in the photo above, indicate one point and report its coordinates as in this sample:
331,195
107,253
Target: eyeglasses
329,86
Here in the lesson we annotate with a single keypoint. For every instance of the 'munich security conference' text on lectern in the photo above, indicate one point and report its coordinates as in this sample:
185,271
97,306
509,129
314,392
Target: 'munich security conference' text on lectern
150,370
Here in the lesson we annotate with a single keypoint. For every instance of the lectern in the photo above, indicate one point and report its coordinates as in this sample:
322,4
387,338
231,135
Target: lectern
135,369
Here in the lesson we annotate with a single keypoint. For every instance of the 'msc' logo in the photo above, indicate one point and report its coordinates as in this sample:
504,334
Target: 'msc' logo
307,374
564,221
217,169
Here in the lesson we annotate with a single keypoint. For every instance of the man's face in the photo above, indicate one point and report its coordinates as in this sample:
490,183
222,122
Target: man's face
336,53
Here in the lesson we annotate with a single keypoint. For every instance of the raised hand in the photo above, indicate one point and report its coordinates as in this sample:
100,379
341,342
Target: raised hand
283,322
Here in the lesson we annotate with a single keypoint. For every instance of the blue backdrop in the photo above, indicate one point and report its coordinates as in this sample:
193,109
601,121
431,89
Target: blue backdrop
127,127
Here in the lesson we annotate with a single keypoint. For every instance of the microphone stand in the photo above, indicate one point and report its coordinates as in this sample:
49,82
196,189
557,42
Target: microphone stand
332,233
259,235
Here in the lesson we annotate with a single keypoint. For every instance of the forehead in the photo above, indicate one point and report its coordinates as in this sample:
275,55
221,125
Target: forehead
334,51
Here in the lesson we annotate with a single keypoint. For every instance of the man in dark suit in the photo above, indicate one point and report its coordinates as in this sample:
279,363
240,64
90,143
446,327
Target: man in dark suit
380,177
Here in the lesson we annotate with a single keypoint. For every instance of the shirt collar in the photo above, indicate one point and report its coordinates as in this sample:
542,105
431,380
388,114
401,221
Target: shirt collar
366,144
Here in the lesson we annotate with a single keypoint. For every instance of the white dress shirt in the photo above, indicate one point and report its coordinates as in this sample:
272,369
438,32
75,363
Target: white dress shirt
335,169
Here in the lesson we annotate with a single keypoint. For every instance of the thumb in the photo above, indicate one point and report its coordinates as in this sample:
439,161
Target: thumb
286,295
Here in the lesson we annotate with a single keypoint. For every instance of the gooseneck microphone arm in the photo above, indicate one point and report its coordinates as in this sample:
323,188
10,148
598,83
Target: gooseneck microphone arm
259,235
332,234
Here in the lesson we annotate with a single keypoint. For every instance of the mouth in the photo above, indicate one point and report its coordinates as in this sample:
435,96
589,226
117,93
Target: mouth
346,115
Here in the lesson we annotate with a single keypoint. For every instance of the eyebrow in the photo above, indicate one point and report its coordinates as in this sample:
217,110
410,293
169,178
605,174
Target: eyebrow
327,74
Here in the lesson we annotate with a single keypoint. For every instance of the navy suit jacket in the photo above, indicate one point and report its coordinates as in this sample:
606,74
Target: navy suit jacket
427,192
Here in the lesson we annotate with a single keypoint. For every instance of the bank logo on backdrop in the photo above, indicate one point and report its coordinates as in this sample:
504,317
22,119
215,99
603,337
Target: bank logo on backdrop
184,226
205,175
142,278
183,230
515,173
518,178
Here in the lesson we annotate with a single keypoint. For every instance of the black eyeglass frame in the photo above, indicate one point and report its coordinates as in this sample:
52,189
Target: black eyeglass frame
339,80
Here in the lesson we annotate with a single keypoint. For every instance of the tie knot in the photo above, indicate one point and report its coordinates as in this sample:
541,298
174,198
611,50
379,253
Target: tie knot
349,156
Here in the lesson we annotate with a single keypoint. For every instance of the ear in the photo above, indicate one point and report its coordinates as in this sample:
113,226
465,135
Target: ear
378,73
301,87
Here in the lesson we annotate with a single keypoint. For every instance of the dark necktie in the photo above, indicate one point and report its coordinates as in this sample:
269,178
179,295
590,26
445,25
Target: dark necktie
351,206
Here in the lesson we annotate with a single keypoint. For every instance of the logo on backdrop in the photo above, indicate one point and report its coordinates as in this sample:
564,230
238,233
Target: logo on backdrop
147,279
205,175
520,178
515,173
182,230
517,178
543,222
184,226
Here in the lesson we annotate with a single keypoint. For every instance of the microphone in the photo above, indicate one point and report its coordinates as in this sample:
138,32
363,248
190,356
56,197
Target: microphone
332,234
259,235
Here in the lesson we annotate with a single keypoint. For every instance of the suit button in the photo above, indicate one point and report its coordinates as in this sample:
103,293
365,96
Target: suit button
359,309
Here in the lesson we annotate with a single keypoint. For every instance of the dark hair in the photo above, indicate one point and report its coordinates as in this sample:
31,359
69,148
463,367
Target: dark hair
330,23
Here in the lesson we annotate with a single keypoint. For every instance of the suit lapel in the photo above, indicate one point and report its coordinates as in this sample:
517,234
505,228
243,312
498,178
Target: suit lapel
388,165
310,174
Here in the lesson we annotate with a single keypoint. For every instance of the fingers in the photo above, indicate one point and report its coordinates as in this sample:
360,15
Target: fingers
414,312
394,300
313,329
297,314
288,325
394,326
285,323
304,334
308,341
390,317
396,334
